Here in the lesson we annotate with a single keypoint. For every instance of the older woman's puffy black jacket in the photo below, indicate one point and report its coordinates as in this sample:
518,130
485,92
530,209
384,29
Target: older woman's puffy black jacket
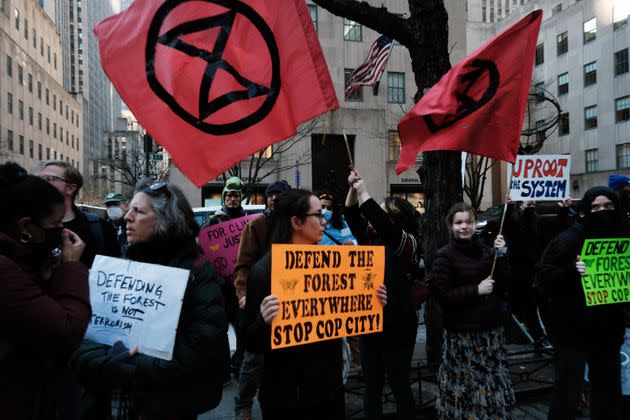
192,381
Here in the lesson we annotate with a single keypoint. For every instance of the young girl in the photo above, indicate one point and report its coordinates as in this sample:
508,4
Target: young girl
473,378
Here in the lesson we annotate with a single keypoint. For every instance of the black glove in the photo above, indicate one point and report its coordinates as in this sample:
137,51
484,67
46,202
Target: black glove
120,368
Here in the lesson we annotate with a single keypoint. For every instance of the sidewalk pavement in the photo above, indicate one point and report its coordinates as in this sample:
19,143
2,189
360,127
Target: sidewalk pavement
531,377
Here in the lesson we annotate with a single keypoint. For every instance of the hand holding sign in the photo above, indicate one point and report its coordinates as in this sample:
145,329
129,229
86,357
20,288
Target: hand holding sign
580,266
381,294
567,202
269,308
120,369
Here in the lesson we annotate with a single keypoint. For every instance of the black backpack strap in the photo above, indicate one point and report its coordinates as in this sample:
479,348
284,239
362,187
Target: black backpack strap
332,239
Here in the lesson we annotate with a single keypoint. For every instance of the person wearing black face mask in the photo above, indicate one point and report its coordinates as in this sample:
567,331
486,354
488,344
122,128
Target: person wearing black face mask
44,296
581,333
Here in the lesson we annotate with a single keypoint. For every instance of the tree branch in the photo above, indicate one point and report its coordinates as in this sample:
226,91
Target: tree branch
377,18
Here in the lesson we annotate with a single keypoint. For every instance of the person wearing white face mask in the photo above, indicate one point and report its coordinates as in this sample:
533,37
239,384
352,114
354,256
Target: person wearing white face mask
117,206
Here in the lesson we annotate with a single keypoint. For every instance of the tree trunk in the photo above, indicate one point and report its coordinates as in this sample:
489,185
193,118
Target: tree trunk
425,34
442,170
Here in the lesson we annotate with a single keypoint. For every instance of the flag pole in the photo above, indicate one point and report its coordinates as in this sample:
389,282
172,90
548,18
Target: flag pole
507,199
345,139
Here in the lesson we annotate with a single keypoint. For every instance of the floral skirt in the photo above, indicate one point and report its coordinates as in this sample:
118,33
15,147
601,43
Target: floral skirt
474,380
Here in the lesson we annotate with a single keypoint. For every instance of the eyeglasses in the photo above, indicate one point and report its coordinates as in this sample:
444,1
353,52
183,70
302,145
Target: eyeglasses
325,197
53,178
317,214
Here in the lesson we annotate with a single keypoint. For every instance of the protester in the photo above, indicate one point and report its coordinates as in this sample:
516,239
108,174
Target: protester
254,243
161,230
98,235
527,234
621,185
117,206
337,231
395,226
581,333
473,378
44,297
302,381
231,209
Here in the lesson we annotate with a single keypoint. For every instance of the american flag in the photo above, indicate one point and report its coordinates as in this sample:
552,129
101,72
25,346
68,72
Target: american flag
370,71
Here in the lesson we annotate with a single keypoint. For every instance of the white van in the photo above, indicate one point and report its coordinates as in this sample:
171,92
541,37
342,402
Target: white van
202,213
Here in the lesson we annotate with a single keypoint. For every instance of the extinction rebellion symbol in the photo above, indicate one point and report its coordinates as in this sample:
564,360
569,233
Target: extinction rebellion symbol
467,104
213,56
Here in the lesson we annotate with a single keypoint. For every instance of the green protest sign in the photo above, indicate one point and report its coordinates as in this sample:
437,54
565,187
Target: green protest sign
607,278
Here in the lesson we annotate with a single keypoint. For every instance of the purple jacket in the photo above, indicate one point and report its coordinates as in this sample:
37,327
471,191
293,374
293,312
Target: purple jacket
457,271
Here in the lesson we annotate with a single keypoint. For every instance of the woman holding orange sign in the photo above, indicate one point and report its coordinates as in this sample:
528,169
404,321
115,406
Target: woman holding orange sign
304,381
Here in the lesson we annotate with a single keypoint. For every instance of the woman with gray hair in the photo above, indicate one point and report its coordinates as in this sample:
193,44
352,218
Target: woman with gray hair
161,230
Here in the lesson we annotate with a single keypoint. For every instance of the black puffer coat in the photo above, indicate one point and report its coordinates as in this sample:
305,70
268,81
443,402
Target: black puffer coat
573,324
192,381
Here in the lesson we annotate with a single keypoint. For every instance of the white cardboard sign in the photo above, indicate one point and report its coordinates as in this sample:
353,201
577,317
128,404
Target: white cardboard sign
136,303
540,178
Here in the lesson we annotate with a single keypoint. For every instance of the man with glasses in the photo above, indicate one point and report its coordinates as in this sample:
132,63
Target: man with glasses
230,203
98,235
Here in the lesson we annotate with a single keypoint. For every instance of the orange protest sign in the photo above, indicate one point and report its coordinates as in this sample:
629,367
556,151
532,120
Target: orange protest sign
325,292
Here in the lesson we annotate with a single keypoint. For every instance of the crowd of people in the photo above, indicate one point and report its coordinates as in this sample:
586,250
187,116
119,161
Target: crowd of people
532,273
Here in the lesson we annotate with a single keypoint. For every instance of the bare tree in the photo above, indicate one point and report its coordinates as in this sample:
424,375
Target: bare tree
273,160
130,167
425,34
476,173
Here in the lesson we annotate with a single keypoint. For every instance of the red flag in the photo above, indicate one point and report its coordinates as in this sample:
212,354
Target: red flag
214,81
479,105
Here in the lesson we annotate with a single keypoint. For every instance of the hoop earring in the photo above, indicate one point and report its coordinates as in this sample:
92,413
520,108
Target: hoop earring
25,237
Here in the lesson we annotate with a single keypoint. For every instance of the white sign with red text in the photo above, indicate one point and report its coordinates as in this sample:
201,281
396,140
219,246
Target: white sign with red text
540,178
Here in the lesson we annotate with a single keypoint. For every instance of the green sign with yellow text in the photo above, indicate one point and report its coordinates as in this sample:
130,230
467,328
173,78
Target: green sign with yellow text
607,278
